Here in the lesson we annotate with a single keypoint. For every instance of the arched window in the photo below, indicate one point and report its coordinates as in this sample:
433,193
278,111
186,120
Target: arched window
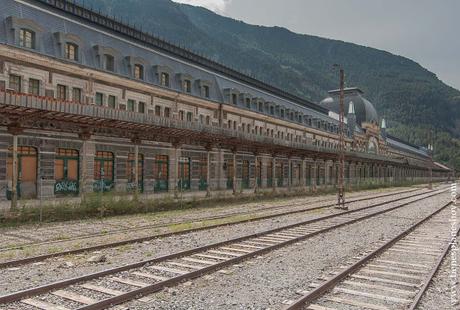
138,71
27,38
71,51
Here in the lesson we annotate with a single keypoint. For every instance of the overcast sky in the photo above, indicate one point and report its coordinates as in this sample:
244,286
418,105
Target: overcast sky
427,31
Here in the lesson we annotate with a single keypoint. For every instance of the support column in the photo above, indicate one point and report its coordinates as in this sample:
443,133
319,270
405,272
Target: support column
256,171
136,168
234,172
314,176
274,179
14,189
14,131
208,171
289,173
302,174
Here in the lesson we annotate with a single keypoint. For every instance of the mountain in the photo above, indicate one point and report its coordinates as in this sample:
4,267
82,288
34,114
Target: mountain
412,99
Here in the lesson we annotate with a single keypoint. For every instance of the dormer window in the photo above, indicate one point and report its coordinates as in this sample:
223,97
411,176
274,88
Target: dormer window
71,51
164,79
261,107
138,72
234,99
26,38
248,103
109,61
206,91
187,86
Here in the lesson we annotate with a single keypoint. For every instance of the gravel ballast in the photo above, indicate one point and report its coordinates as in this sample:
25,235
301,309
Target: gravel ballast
266,282
14,279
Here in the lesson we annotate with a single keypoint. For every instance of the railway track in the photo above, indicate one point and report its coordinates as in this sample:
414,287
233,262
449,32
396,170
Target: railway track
203,219
38,258
114,286
393,276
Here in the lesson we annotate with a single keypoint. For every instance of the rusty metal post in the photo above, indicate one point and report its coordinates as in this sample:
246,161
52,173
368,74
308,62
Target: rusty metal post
341,186
274,180
136,170
14,189
256,172
208,172
289,173
234,172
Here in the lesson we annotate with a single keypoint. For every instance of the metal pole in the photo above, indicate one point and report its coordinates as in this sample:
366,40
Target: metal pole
256,173
341,187
234,173
208,173
14,189
136,171
274,179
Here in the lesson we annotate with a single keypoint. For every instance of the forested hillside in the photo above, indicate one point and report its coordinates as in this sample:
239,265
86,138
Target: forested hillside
411,98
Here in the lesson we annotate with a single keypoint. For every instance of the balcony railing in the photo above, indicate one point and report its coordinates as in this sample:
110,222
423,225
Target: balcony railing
104,113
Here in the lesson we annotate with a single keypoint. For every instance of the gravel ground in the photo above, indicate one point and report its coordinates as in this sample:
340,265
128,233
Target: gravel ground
161,219
14,279
267,281
445,283
27,234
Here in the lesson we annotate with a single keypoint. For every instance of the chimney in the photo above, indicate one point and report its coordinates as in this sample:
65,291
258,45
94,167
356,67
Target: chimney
351,119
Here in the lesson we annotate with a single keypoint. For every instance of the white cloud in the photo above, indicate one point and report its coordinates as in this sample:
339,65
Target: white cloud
217,6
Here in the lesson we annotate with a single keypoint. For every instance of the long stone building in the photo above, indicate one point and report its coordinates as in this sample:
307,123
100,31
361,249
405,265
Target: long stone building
85,99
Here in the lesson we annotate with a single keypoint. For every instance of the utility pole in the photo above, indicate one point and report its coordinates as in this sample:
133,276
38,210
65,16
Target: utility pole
341,185
430,152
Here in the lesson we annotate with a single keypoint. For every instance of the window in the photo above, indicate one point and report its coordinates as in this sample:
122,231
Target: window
161,173
109,62
261,107
234,99
27,38
71,51
99,99
141,107
103,171
272,110
157,110
206,91
282,113
15,83
181,115
187,86
112,101
66,165
248,103
189,116
164,79
167,112
208,120
138,72
61,92
34,87
131,105
76,95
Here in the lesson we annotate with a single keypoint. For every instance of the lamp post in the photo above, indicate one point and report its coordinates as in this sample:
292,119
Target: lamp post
430,152
341,185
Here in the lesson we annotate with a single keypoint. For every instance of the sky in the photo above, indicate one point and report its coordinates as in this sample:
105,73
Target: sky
426,31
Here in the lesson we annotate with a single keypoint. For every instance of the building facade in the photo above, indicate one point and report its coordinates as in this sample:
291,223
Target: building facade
90,104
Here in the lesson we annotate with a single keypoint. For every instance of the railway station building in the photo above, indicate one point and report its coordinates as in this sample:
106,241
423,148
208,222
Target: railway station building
88,103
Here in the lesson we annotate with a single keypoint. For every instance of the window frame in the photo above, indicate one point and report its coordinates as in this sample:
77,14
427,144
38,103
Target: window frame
23,38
